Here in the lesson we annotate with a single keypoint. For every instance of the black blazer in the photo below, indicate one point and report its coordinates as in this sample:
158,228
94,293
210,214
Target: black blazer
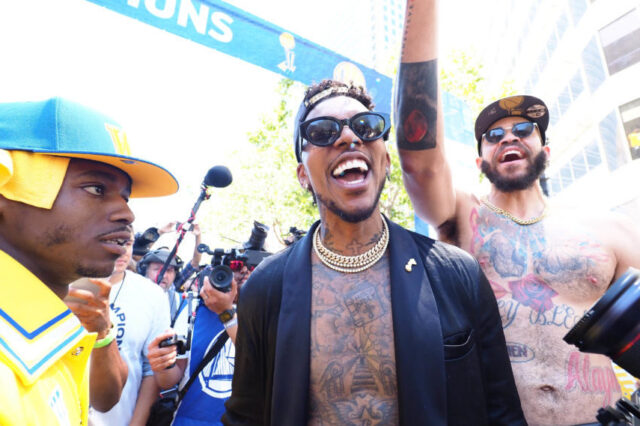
451,361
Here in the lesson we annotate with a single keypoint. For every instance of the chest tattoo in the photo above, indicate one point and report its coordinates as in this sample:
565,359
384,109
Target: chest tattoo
353,374
539,267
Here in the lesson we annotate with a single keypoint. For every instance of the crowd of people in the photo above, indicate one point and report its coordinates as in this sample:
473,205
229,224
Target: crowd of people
357,321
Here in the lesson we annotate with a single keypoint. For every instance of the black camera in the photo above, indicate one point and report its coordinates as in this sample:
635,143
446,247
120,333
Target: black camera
295,234
181,342
257,237
612,326
625,412
225,262
142,241
219,272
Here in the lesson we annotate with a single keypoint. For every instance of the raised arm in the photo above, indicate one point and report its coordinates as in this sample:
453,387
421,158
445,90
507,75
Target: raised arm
108,371
419,120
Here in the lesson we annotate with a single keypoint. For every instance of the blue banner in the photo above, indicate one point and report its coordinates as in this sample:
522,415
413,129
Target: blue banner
222,27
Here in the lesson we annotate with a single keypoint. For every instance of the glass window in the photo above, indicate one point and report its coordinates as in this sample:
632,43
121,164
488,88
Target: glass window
554,114
577,85
564,100
565,175
562,24
621,41
592,154
608,134
593,67
556,184
578,8
542,61
579,165
630,114
552,43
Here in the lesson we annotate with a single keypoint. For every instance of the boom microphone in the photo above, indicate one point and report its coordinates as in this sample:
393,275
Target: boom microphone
218,176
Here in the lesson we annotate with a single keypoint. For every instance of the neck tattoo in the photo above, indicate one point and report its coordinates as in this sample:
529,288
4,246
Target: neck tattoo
352,264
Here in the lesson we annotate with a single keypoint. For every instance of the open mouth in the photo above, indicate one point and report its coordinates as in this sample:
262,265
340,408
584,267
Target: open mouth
116,241
351,172
510,155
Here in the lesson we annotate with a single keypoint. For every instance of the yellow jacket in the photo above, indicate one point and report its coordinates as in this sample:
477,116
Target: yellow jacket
44,353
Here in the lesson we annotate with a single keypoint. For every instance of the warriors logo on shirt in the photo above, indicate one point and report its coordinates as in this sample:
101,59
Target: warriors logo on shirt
215,378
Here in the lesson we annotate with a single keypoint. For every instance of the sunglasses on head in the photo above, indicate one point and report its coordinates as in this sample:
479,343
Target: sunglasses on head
324,131
519,130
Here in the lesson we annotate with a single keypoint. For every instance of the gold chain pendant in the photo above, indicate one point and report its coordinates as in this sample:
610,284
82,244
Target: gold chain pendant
517,220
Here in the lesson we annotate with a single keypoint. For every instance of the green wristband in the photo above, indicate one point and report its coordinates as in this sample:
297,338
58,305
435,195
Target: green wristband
106,340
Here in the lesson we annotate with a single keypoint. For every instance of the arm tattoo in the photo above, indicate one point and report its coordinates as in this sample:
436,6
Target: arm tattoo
417,105
407,23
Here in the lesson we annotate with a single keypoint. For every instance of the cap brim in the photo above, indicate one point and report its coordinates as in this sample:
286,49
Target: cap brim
147,179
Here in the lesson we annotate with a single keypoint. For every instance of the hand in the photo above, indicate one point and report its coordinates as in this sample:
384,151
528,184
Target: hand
169,227
195,229
242,275
162,358
92,309
215,300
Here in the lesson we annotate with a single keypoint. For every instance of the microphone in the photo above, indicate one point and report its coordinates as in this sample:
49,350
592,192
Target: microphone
218,176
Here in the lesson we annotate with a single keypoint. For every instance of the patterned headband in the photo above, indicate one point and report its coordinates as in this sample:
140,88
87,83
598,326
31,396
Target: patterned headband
319,96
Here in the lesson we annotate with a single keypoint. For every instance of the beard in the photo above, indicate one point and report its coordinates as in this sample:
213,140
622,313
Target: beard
353,216
504,184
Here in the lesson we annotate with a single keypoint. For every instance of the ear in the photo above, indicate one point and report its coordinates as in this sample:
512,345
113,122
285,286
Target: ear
388,158
479,163
547,150
303,177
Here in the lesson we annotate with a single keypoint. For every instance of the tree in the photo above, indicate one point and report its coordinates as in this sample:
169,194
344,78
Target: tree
266,187
463,75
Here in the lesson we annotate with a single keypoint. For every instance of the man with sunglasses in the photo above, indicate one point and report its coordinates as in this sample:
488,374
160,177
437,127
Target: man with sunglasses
546,266
362,321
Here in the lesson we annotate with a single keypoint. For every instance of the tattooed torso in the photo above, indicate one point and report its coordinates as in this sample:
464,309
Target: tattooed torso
545,276
353,369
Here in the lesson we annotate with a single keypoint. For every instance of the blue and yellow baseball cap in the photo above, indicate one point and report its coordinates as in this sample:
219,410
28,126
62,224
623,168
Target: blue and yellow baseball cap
64,128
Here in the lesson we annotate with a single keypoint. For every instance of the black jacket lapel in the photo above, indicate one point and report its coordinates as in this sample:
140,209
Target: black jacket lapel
291,372
418,336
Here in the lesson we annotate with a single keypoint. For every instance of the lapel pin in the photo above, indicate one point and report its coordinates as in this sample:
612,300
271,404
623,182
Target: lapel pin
410,264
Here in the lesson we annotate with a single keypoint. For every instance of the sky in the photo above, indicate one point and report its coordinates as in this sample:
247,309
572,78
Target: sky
184,106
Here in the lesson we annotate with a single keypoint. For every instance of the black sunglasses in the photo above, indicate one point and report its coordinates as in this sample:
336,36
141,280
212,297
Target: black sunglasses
324,131
519,130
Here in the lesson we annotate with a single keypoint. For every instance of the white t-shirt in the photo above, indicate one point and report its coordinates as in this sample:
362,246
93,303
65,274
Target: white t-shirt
141,311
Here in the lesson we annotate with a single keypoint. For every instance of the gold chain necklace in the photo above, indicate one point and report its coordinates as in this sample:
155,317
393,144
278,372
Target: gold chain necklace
352,264
519,221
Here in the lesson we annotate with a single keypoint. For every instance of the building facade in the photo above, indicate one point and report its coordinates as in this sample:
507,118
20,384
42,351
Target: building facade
582,57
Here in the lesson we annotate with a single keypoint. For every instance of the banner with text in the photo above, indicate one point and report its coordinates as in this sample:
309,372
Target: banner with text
222,27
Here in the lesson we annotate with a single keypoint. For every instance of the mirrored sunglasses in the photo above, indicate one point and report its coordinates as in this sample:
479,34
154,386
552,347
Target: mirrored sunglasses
519,130
324,131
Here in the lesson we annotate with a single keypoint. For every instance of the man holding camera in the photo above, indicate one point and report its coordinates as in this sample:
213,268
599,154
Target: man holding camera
215,320
141,312
546,266
65,178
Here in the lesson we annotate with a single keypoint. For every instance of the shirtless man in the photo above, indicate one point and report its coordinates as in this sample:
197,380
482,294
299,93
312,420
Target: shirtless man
546,266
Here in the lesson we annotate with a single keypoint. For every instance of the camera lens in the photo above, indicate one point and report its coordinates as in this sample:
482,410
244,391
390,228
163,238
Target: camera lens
611,326
220,278
258,236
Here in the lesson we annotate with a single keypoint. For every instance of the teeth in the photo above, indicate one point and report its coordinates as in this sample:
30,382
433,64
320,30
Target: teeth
117,241
351,164
511,151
